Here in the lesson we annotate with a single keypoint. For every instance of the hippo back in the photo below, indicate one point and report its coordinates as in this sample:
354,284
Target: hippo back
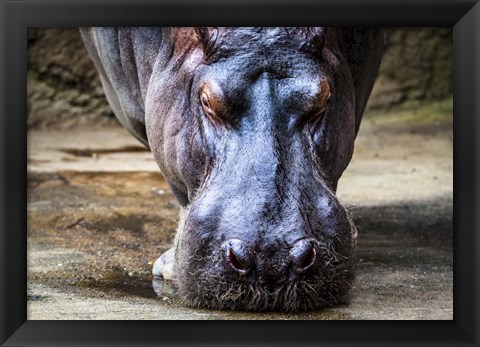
124,58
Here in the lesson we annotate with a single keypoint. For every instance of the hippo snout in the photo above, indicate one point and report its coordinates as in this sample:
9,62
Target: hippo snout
231,259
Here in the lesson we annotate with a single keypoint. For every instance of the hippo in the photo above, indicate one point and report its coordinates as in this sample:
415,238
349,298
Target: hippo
252,129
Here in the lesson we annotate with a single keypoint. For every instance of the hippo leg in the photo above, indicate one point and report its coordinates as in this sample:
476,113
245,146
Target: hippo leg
163,266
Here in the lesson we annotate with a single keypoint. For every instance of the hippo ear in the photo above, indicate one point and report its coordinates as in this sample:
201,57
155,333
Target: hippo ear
207,37
363,49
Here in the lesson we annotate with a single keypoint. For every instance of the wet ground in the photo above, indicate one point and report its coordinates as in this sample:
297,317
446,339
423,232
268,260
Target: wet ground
100,213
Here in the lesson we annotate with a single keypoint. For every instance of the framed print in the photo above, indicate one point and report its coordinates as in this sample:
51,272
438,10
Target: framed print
443,323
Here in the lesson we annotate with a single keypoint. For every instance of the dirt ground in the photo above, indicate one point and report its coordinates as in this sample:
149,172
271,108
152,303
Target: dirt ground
100,213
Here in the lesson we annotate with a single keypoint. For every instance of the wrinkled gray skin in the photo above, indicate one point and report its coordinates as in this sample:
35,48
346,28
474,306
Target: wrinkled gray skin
252,128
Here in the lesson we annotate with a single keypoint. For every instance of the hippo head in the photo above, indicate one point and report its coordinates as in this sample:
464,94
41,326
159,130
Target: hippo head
252,128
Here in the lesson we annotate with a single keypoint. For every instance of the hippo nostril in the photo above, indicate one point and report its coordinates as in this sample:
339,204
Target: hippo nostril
238,256
303,255
234,261
309,258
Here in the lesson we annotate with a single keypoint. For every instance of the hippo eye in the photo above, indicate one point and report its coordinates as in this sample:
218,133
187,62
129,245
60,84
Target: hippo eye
205,100
321,104
207,108
324,97
212,99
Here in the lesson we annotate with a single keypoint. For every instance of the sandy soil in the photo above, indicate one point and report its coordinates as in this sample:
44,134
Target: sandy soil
99,213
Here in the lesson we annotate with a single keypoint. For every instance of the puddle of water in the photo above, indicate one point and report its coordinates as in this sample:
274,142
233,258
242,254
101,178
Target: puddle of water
117,282
89,152
164,287
35,297
132,222
130,289
34,179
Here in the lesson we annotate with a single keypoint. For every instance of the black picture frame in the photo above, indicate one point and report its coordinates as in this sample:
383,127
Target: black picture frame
16,16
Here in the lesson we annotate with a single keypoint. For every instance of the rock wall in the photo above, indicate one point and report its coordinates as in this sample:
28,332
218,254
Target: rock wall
417,65
64,90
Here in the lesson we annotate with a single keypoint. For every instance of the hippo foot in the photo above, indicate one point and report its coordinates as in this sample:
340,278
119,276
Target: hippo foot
163,266
163,275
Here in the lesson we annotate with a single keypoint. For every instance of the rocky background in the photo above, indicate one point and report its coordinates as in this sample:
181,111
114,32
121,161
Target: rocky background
417,65
64,90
